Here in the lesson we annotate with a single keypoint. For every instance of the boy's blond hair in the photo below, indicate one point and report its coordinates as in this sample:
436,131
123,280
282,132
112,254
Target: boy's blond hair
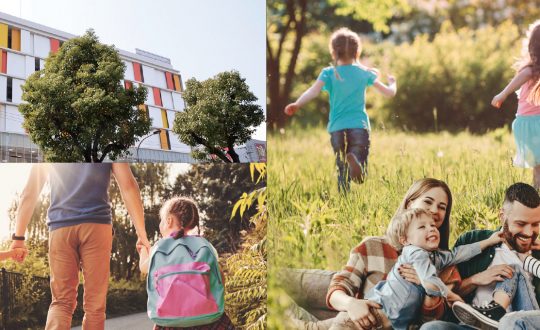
399,225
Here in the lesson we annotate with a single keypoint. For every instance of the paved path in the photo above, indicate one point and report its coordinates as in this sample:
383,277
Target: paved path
138,321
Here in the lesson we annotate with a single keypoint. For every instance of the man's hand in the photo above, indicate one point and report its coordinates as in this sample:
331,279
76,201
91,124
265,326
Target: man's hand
20,250
493,274
142,242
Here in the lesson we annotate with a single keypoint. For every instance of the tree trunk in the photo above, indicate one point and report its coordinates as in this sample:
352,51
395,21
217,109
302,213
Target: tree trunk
233,154
278,97
211,149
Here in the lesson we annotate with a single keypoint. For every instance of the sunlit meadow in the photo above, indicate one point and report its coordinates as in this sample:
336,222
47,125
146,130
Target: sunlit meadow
313,226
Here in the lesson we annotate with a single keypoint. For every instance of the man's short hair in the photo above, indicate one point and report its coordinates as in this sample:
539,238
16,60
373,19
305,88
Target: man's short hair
523,193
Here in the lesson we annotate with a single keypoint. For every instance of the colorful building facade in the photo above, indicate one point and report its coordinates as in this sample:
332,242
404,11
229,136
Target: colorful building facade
25,45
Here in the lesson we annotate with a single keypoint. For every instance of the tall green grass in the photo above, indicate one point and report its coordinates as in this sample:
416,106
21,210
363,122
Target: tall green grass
313,226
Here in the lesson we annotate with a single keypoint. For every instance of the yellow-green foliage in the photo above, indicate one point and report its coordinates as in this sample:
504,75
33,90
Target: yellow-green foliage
245,285
246,288
312,226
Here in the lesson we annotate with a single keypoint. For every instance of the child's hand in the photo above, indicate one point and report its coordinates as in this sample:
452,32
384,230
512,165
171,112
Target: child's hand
496,238
139,247
391,79
498,100
17,253
291,109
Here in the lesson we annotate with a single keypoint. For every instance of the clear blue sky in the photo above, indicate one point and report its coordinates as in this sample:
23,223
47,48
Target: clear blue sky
201,37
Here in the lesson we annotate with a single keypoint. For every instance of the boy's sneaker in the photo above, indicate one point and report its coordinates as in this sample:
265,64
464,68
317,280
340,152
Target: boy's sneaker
356,170
479,317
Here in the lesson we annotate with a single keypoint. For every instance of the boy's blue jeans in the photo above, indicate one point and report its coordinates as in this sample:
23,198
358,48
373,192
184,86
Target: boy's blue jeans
355,141
520,290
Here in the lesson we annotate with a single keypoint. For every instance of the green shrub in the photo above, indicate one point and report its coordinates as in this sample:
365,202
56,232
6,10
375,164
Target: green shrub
447,83
444,83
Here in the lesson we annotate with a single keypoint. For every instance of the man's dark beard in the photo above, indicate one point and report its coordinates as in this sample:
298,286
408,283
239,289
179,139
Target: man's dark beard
511,239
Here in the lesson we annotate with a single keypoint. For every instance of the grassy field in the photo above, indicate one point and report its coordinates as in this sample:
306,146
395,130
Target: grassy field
312,226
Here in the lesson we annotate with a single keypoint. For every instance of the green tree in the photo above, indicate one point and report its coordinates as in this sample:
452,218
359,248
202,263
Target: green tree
76,108
220,113
291,21
216,188
153,184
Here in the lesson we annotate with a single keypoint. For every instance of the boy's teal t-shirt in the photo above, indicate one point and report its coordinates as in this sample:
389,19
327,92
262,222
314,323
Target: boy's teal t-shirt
347,96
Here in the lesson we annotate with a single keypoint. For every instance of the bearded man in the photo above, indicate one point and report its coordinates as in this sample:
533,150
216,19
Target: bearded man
520,221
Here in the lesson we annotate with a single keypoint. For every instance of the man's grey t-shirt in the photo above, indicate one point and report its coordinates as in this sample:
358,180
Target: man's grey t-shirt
79,194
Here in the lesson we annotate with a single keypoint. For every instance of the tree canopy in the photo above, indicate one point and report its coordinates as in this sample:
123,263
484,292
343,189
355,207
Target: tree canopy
77,110
221,112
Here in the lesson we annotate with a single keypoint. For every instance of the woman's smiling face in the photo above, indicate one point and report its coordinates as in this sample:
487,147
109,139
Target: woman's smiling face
434,201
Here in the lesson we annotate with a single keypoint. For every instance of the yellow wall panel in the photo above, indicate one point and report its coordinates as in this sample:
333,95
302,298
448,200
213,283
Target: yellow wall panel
164,118
16,39
177,83
164,138
3,35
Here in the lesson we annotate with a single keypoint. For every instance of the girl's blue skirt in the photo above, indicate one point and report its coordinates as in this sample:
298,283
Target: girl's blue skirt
527,135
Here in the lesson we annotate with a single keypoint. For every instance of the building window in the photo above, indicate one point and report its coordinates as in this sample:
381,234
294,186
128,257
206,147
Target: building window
9,94
37,64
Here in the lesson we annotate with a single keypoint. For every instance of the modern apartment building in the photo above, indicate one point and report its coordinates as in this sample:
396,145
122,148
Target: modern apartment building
24,45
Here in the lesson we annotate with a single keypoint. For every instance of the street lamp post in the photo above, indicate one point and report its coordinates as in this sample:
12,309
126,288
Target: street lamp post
157,131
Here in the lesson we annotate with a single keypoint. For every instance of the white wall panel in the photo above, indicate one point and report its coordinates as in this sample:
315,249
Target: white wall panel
155,114
166,99
30,66
42,46
149,75
15,65
14,120
27,42
2,118
3,88
170,117
149,96
178,102
160,80
151,142
17,91
129,75
176,145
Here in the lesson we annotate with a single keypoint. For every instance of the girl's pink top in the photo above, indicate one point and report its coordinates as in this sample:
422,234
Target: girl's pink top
524,107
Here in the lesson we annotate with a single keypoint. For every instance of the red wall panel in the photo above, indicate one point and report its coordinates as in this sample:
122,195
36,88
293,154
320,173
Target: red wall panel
55,44
137,71
157,96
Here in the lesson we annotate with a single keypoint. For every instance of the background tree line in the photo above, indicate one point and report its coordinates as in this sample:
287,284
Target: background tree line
215,187
450,58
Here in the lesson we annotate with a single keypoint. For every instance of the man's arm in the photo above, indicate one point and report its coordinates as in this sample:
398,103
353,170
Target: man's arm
27,202
129,189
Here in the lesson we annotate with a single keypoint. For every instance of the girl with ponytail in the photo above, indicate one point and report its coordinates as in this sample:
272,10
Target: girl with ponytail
178,216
